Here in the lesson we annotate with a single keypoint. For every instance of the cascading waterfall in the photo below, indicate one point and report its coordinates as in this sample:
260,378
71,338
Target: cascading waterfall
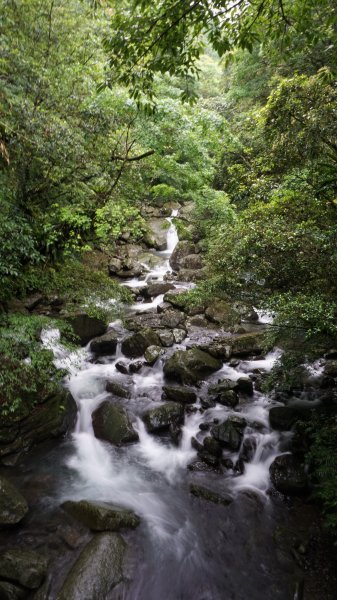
150,475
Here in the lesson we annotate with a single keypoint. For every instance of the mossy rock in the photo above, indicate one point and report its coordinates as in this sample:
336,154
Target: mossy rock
100,516
163,416
111,423
13,506
190,366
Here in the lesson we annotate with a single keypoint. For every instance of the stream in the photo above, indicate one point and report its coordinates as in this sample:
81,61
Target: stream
186,547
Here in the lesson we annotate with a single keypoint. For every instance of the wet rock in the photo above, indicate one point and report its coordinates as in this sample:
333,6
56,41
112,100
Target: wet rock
13,506
221,312
212,446
246,311
288,476
204,426
208,458
163,416
175,433
179,335
10,591
156,289
176,298
283,418
111,423
196,444
156,237
245,386
100,516
172,319
230,432
97,570
135,366
52,417
152,353
113,387
85,327
122,367
136,344
227,463
164,307
105,344
248,449
207,403
198,321
202,492
166,338
191,365
23,567
182,249
179,394
330,369
201,467
248,343
229,398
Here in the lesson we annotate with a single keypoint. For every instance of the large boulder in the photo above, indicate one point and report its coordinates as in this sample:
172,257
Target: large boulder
230,432
283,418
97,570
86,327
156,289
221,312
100,516
248,343
13,506
179,394
135,344
105,344
51,417
163,416
23,567
156,236
288,476
182,249
111,423
115,388
191,365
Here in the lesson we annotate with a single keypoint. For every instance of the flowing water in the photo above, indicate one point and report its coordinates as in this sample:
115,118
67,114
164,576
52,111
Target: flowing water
185,548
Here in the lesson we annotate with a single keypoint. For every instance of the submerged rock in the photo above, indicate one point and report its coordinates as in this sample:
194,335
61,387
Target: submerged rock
136,343
97,570
288,476
111,423
113,387
105,344
23,567
191,365
180,394
100,516
13,506
163,416
202,492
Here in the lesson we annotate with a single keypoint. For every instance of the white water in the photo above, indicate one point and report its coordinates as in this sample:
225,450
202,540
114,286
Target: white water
145,475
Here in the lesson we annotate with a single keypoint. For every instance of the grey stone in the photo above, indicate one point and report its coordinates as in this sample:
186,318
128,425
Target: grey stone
111,423
100,516
13,506
97,570
163,416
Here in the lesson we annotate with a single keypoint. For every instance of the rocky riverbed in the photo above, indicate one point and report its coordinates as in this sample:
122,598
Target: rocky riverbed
178,462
